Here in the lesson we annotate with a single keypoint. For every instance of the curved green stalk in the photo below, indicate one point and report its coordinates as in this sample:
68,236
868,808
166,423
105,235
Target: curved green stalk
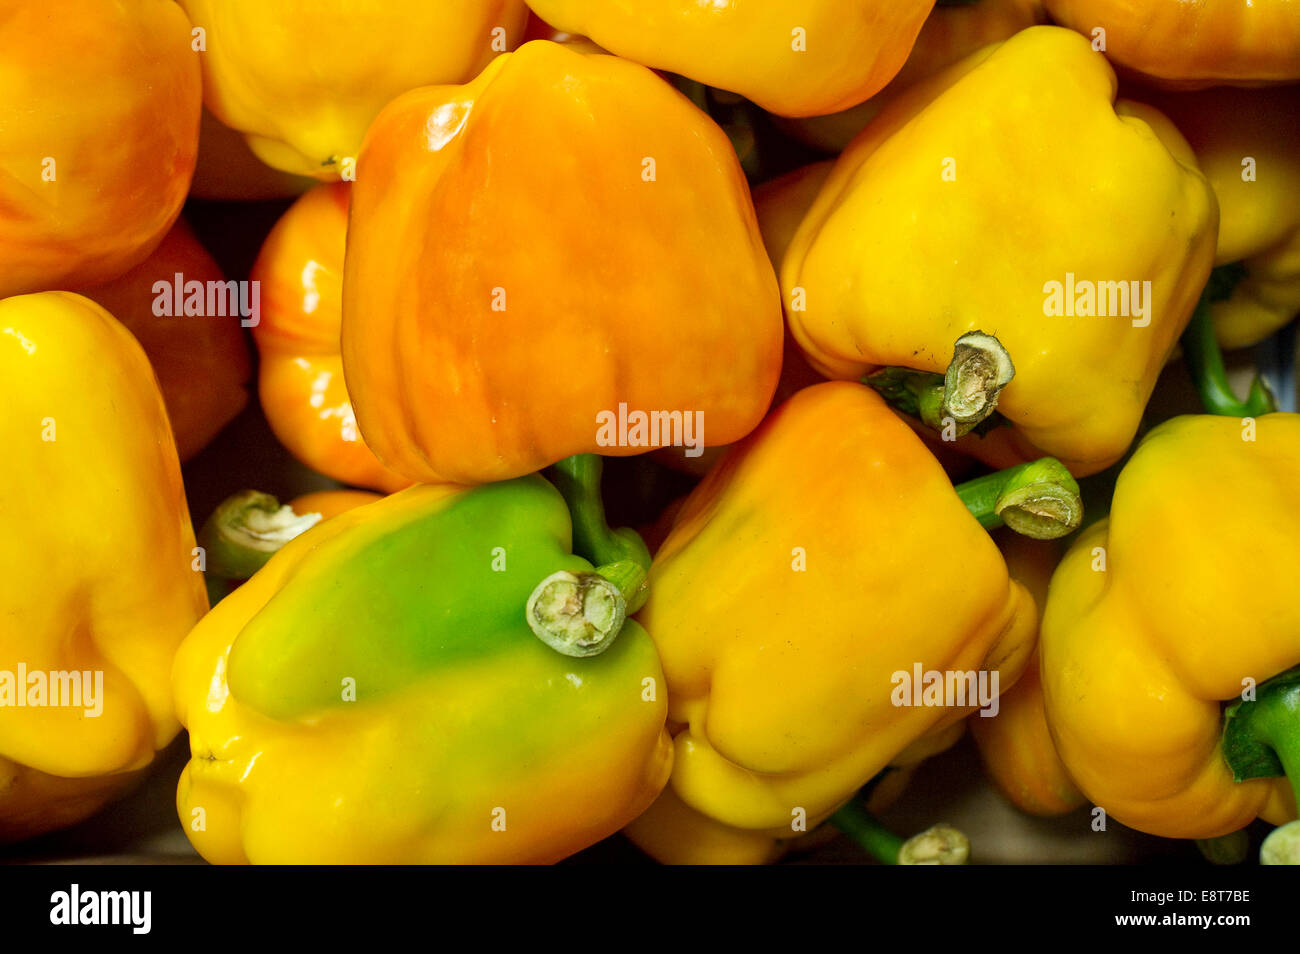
1205,359
964,397
1261,739
940,845
578,480
1039,499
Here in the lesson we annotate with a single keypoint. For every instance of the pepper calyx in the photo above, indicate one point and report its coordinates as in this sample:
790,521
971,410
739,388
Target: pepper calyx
246,530
576,614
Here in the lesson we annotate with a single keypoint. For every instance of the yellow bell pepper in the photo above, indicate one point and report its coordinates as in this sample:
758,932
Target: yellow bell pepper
956,244
302,81
1182,599
98,575
1016,744
782,630
1247,142
823,56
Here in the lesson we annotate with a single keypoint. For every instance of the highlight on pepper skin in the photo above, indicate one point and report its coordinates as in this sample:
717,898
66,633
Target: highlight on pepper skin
699,433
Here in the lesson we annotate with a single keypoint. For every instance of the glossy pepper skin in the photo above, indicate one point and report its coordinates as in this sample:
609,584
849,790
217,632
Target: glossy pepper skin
202,363
823,56
1196,593
300,375
895,261
99,124
94,521
485,330
462,718
1192,45
951,32
1259,200
303,80
780,679
1016,744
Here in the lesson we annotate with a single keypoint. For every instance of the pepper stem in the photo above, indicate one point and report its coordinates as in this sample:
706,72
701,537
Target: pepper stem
1261,739
940,845
1205,359
246,530
980,368
578,480
576,614
1282,846
965,396
1039,499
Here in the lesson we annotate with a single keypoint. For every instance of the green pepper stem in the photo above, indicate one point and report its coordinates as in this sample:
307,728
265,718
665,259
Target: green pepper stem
940,845
1205,363
578,480
965,396
1261,739
980,368
576,614
1039,499
1282,846
246,530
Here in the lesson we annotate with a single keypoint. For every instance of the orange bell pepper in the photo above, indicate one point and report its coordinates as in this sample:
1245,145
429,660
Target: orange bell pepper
99,126
1190,45
781,631
300,378
202,363
487,333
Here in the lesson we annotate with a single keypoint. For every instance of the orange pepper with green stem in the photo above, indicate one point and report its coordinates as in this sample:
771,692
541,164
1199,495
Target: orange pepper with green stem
485,335
300,377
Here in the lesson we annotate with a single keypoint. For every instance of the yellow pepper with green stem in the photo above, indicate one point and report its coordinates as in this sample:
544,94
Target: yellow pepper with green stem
956,245
1180,601
373,694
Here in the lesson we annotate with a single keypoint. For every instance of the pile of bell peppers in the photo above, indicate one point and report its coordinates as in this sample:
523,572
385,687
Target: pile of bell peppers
897,328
